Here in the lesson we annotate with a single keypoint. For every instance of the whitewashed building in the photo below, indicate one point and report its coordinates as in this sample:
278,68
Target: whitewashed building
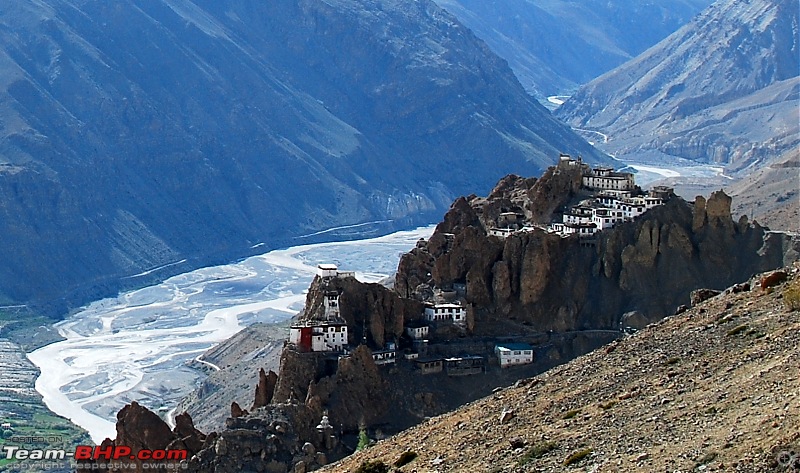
608,179
613,203
604,217
578,214
328,270
325,270
511,354
501,232
385,357
631,207
455,313
316,335
651,202
583,230
331,305
417,331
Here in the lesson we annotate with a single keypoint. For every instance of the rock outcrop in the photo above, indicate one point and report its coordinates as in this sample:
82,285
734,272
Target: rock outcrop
265,388
141,429
357,393
286,435
373,312
649,265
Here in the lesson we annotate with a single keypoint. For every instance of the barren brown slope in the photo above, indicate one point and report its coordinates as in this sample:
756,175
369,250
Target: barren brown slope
771,195
715,388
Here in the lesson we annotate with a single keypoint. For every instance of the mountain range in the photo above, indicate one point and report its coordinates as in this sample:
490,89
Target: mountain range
723,89
139,138
554,46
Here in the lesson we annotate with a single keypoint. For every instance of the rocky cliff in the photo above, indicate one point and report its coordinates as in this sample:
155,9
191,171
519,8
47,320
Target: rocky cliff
723,369
140,429
373,312
645,268
155,136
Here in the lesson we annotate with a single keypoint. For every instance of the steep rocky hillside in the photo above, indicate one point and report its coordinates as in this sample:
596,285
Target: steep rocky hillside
233,369
145,137
556,45
723,89
713,389
643,269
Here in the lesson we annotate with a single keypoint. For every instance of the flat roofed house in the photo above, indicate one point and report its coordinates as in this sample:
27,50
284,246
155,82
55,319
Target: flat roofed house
661,192
455,313
464,365
327,270
606,179
428,365
583,230
511,354
319,336
417,331
501,232
509,220
384,357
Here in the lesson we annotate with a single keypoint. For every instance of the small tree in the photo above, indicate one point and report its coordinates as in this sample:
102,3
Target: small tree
363,439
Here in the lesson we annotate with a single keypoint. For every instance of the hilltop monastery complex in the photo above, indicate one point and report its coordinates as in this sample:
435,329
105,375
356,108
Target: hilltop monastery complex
616,198
613,197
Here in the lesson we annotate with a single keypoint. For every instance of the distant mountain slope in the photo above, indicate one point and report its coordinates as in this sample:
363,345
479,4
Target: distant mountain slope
723,89
554,46
141,133
771,195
